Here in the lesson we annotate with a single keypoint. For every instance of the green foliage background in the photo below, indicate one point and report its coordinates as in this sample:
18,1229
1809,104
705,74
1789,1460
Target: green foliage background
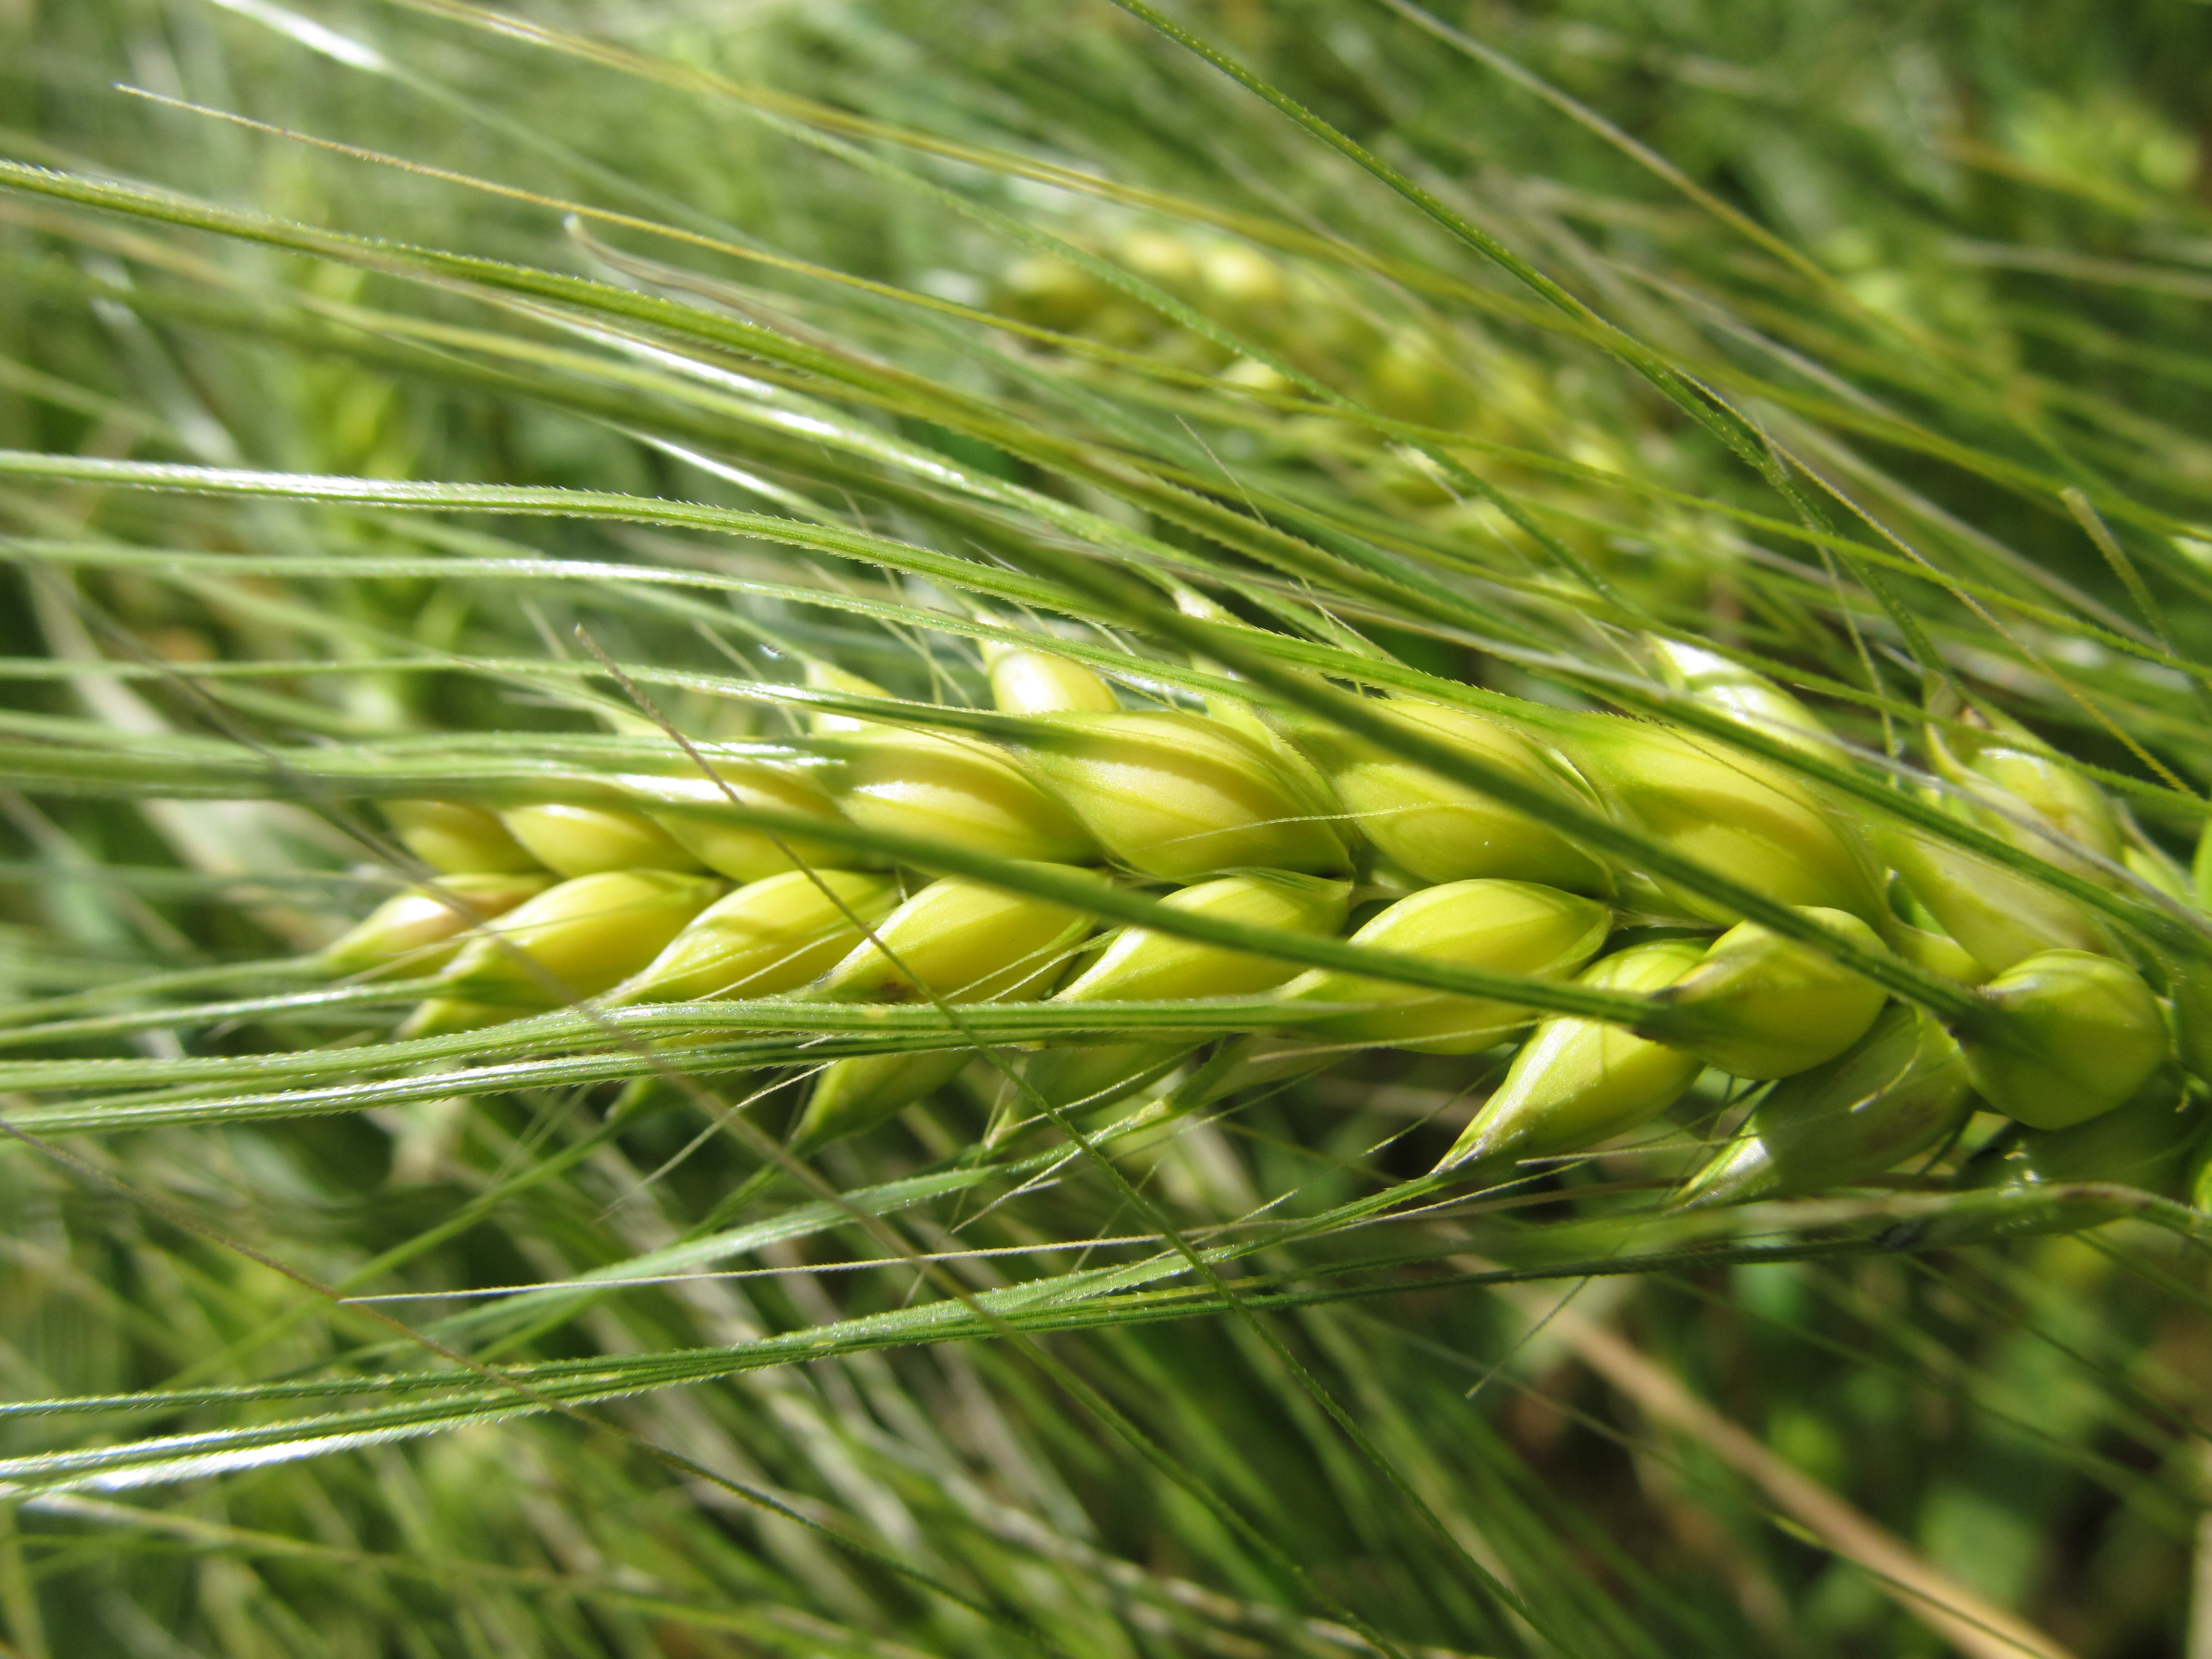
1941,272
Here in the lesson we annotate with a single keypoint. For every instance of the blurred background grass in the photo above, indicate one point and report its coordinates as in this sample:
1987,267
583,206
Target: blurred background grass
2005,217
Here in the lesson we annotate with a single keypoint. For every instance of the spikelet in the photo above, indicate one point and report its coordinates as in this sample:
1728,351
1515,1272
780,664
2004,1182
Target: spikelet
744,855
1026,681
1760,1006
585,841
1937,953
2148,1142
1747,697
1999,918
1736,815
419,931
2008,784
2064,1037
862,1090
1903,1091
1083,1075
769,936
1507,926
1440,831
937,786
1580,1081
1180,796
456,839
961,941
577,939
2017,787
1142,965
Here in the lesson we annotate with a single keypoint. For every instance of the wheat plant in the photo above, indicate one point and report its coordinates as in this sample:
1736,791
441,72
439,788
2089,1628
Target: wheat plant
968,827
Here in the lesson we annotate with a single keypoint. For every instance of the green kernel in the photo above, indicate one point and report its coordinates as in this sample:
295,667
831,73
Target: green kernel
445,1016
1052,293
1442,831
419,931
1506,926
2064,1037
744,855
1179,795
1735,816
1141,965
1748,697
828,677
1937,953
1027,682
1999,918
578,939
1580,1081
1902,1091
939,787
960,941
2146,1143
584,840
1760,1006
2010,777
769,936
1083,1075
860,1092
457,839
